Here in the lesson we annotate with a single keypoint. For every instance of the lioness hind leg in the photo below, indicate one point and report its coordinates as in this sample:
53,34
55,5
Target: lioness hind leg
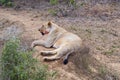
60,52
44,53
52,58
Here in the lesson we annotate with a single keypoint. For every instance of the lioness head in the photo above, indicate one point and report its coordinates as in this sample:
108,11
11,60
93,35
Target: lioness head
45,29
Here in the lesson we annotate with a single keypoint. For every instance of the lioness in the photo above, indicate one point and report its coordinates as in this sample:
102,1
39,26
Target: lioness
63,41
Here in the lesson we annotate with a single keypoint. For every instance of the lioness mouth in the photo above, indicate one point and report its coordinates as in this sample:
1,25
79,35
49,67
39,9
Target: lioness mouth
42,33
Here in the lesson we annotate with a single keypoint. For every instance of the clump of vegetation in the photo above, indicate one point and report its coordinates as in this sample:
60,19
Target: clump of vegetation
53,2
52,12
8,3
105,74
72,2
109,52
19,65
102,71
89,31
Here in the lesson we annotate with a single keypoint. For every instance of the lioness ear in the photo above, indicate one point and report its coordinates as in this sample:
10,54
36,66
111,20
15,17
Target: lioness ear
49,24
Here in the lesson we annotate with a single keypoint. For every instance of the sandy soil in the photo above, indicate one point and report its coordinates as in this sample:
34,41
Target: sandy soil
100,56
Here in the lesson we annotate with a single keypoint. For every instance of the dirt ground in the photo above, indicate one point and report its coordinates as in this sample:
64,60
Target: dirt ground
98,26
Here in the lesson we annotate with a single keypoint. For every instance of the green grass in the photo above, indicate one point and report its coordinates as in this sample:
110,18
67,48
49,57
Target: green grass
114,46
106,74
109,52
72,2
102,71
74,28
52,12
8,3
53,2
88,30
69,2
19,65
103,31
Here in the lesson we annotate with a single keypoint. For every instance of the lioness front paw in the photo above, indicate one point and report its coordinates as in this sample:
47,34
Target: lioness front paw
32,46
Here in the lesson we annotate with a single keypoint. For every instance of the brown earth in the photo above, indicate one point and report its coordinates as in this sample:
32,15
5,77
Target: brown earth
98,26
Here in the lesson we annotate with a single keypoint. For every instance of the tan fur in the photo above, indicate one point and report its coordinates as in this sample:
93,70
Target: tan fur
63,41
